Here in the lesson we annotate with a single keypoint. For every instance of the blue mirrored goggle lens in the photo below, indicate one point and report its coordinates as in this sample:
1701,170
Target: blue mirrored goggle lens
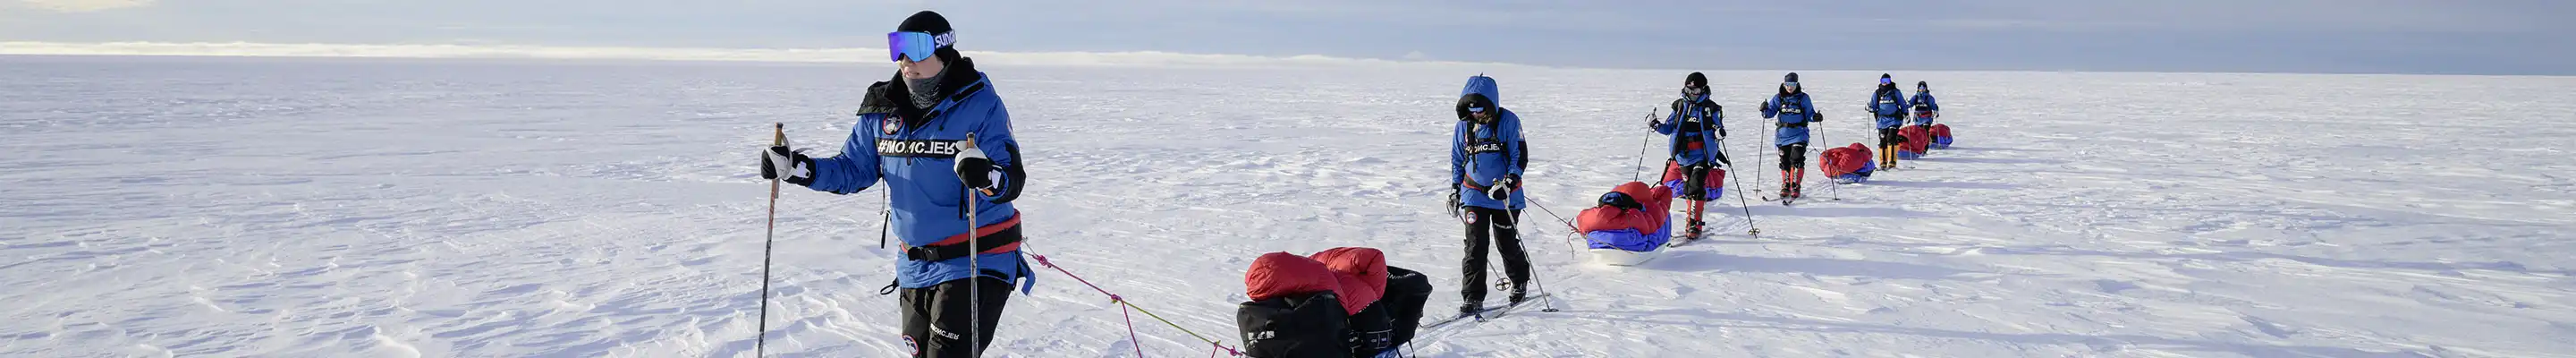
917,46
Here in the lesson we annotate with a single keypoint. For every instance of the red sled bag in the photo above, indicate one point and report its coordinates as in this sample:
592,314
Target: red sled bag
1940,136
1631,217
1849,164
1362,272
1293,312
1917,140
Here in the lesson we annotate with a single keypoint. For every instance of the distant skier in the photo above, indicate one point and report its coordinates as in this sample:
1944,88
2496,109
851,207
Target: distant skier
1925,109
1888,105
912,134
1696,126
1794,112
1486,156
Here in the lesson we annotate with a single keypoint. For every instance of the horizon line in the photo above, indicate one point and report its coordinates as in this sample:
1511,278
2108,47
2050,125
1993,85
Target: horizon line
860,54
702,54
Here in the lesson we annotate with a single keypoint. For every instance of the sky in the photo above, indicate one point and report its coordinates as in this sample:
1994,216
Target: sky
2503,37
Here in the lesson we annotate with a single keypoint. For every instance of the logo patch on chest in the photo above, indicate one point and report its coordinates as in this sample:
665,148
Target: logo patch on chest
892,125
919,147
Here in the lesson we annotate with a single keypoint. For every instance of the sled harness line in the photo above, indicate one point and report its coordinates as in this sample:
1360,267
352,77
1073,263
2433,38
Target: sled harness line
1131,306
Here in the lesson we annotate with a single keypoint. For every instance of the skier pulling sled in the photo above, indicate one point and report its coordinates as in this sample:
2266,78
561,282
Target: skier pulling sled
1926,109
1849,164
1795,112
1629,224
1698,166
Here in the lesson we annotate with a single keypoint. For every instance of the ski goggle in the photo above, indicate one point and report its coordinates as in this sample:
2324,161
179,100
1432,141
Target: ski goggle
917,46
1886,81
1693,91
1475,104
1791,85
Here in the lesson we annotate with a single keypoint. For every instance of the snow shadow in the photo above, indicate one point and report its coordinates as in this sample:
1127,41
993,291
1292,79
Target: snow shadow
1941,159
1837,212
1944,185
2098,343
1703,261
2237,256
2383,221
1990,149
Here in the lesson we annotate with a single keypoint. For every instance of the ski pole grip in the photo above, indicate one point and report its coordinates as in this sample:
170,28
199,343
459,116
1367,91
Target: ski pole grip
970,143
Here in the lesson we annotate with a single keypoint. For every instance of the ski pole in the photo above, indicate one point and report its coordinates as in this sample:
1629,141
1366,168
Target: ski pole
760,346
884,216
1550,306
1763,151
974,264
1740,201
1802,174
1640,172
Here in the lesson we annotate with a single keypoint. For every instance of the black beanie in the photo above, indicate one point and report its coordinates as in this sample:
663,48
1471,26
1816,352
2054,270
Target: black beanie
930,22
1793,77
1922,84
1884,76
1695,80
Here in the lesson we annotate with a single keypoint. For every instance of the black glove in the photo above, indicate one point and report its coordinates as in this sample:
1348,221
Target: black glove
976,170
799,169
1653,124
1455,203
1502,189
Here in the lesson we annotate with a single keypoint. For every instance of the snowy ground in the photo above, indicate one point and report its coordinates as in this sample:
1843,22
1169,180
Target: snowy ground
385,208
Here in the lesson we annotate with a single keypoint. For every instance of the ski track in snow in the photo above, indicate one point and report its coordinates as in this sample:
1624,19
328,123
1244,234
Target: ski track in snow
395,208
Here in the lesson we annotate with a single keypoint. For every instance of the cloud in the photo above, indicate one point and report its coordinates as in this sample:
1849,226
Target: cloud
825,55
85,5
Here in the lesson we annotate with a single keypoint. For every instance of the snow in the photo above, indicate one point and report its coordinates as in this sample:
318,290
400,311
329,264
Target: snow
187,206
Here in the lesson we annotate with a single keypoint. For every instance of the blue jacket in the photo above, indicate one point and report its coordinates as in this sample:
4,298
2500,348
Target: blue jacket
1694,120
911,150
1923,102
1888,104
1794,111
1480,153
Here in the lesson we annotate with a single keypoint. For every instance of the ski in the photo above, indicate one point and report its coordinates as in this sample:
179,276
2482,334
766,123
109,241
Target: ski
1480,315
1678,242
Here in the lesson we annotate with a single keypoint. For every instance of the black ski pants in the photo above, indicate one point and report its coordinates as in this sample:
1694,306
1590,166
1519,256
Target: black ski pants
1488,228
941,314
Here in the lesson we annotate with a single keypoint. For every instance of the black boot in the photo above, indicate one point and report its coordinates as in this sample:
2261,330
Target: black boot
1470,308
1518,295
1695,226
